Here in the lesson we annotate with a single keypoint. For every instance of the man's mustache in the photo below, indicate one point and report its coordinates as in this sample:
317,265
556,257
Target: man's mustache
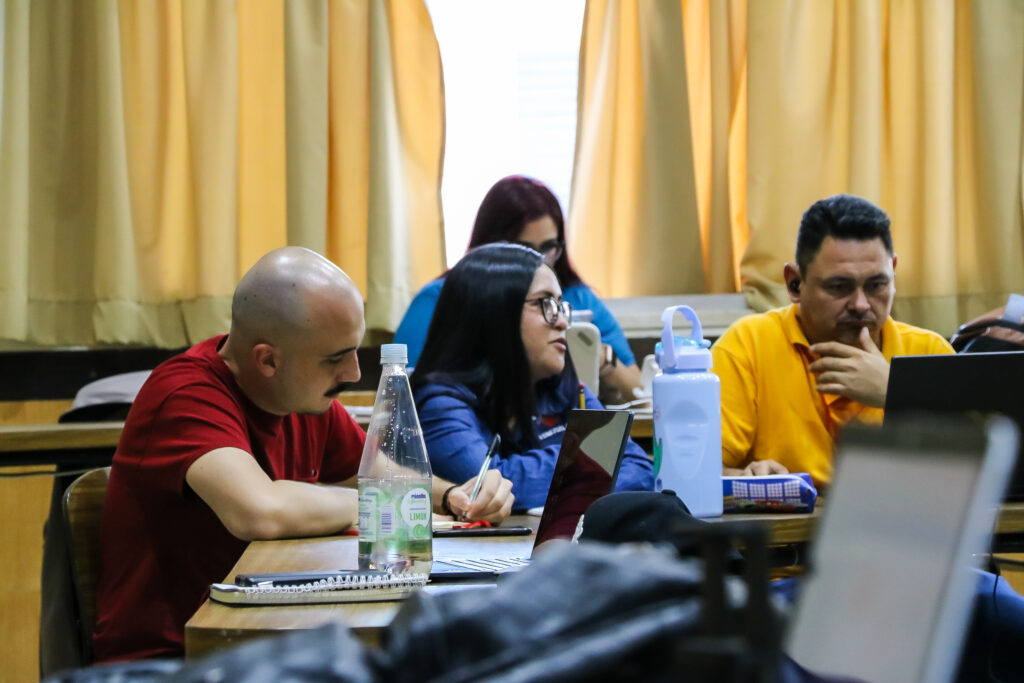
857,320
337,389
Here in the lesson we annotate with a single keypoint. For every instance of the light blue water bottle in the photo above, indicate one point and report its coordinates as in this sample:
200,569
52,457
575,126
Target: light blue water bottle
688,418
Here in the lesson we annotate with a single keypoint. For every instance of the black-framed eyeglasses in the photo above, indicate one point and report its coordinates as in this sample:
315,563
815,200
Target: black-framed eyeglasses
551,250
551,308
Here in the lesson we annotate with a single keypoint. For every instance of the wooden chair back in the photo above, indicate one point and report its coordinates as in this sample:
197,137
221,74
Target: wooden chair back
83,513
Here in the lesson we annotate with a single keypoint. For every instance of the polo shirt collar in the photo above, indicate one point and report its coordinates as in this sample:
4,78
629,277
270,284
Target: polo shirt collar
791,328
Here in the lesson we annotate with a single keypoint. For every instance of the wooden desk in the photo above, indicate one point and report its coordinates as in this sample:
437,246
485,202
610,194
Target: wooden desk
643,427
49,444
217,626
785,529
55,444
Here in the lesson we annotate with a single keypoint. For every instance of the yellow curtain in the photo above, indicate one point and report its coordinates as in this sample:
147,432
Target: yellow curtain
918,106
715,34
151,152
658,197
633,216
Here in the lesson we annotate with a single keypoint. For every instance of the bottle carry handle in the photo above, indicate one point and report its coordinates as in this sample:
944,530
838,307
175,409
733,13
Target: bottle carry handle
668,346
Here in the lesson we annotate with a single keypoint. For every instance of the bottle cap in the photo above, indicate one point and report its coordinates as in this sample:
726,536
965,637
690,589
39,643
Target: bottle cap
393,354
675,353
690,354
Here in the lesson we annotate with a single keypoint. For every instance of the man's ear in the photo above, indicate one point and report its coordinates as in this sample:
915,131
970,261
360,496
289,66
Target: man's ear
264,358
791,274
894,262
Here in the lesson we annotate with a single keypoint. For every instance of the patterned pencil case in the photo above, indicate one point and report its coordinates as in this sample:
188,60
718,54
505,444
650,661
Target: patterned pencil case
774,493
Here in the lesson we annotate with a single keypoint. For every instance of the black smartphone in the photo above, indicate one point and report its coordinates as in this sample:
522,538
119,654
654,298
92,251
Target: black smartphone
485,531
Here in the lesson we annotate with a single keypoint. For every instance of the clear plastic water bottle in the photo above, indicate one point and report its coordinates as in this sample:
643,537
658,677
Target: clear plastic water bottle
395,504
688,418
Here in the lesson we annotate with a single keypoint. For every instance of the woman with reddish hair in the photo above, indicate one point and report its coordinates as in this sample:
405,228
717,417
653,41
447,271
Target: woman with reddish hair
524,211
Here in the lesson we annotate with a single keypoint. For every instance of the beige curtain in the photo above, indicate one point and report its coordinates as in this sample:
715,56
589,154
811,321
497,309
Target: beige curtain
716,50
151,152
918,106
658,197
633,223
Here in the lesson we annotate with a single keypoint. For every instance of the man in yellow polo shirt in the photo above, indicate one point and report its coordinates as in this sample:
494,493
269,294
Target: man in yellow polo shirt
792,377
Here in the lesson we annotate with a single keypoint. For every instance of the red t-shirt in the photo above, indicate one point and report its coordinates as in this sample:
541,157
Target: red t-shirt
161,545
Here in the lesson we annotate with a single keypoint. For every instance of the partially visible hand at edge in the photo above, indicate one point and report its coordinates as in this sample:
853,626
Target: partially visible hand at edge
758,468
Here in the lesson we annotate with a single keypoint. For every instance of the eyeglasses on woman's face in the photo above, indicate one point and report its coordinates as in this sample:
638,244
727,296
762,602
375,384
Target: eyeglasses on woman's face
551,308
551,250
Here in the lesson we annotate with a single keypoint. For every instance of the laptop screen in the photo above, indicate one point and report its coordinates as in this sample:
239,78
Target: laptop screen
890,591
981,382
587,467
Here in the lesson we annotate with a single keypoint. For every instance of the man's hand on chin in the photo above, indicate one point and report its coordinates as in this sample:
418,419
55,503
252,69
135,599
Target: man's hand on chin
858,372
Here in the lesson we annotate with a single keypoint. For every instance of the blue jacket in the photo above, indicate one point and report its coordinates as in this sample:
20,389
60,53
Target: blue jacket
457,441
412,331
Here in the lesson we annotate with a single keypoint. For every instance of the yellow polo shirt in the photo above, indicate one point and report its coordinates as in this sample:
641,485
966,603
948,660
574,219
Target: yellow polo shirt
770,409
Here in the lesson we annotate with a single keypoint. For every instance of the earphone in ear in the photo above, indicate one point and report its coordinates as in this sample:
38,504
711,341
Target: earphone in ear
794,286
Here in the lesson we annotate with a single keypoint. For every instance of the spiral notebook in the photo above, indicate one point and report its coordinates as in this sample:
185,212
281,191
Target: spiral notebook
316,587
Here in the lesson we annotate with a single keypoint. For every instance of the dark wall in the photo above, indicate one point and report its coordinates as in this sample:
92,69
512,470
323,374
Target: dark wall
51,375
48,375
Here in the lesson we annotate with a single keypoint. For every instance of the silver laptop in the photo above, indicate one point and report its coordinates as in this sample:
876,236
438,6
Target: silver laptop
891,589
586,469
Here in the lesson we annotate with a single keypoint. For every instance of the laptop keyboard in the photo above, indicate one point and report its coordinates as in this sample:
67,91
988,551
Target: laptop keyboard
487,564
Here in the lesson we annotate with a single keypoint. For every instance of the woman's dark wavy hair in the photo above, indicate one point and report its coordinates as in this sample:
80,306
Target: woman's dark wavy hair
508,206
475,338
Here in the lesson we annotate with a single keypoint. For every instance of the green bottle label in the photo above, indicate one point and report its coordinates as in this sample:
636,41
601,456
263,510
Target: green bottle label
416,513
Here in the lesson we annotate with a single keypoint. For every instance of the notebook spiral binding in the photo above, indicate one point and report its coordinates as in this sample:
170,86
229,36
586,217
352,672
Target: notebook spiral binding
347,588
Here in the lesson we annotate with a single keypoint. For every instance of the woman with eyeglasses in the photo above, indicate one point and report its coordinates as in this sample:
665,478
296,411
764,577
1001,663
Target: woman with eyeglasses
494,362
524,211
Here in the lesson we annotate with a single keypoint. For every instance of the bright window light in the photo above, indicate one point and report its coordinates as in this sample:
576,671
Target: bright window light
510,70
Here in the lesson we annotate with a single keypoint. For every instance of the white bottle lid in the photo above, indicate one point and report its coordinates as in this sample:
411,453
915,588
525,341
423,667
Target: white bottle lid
393,354
690,354
676,353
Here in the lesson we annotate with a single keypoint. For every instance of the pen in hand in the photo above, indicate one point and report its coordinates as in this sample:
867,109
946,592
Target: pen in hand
495,442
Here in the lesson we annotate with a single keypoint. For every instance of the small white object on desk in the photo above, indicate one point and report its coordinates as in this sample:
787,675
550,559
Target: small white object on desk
357,412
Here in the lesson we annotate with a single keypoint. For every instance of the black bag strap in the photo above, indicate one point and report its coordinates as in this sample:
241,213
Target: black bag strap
1013,314
982,325
970,333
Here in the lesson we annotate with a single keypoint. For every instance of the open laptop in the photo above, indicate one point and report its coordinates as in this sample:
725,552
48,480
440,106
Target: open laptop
891,590
981,382
586,469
